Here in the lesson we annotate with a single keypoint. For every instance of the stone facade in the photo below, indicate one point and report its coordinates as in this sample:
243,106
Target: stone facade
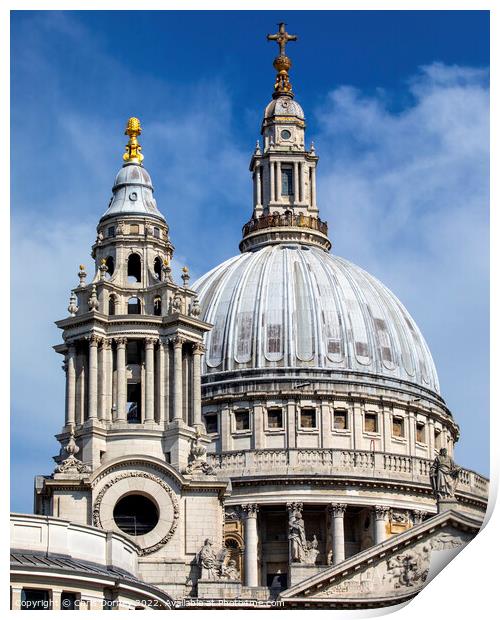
245,438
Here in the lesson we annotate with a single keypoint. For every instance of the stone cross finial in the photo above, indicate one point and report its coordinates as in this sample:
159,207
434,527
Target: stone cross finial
282,63
282,37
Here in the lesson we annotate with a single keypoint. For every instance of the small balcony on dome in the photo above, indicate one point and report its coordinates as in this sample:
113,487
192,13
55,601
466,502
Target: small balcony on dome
284,227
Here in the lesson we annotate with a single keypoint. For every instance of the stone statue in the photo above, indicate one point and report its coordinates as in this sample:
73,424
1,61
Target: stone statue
297,537
214,566
444,475
197,457
207,560
311,551
230,571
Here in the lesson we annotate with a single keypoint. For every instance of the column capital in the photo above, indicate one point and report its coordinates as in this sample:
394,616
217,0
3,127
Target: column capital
150,342
163,341
94,340
106,344
381,512
120,342
337,509
250,510
198,348
178,341
418,516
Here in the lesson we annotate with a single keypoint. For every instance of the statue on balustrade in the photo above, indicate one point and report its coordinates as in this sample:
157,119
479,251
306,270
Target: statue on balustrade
444,475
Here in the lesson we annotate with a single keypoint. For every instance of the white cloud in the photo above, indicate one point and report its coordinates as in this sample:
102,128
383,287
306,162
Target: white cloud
406,196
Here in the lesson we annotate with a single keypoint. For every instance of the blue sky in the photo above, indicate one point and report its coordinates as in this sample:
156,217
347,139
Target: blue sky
396,103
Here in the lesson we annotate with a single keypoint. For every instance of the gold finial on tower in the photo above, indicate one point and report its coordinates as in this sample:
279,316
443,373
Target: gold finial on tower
133,148
282,63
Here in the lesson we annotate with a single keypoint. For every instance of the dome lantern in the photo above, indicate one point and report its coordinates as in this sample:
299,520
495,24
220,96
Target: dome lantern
284,172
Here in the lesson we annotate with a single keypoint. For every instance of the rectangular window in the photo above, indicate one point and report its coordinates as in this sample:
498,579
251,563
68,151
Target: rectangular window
437,439
242,420
133,352
68,600
274,418
398,427
111,231
308,418
286,181
371,425
340,419
420,432
156,232
211,423
32,598
134,403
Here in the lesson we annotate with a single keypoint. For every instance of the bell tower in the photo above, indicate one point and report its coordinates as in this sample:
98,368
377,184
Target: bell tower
133,338
284,171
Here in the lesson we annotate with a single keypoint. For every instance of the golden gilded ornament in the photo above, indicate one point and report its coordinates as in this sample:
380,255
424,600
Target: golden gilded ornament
133,148
282,63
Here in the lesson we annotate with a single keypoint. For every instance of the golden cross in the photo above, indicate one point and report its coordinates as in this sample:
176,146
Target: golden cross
282,37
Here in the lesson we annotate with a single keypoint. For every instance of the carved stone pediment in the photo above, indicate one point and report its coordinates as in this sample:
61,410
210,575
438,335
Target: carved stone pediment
394,570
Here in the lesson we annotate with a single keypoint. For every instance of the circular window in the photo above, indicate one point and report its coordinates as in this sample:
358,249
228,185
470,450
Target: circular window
285,134
133,196
135,515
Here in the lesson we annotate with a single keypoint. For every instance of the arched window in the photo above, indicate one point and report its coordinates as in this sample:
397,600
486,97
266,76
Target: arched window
110,264
112,305
134,305
157,306
134,268
157,267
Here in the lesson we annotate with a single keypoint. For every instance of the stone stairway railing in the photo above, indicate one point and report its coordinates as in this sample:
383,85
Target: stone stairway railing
341,463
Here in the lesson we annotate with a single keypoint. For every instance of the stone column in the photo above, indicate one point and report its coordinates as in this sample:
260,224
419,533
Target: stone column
278,181
337,512
121,379
313,187
258,195
295,182
198,350
101,382
160,373
70,385
258,425
381,513
301,182
149,409
251,542
177,391
411,432
271,181
108,379
430,435
93,344
166,379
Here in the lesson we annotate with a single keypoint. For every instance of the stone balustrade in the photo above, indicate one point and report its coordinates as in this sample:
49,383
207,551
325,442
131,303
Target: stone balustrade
336,462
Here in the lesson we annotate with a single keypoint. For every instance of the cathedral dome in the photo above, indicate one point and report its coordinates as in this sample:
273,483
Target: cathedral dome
297,306
132,193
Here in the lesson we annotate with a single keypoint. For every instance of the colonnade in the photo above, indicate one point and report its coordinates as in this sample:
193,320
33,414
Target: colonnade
336,534
169,365
300,169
